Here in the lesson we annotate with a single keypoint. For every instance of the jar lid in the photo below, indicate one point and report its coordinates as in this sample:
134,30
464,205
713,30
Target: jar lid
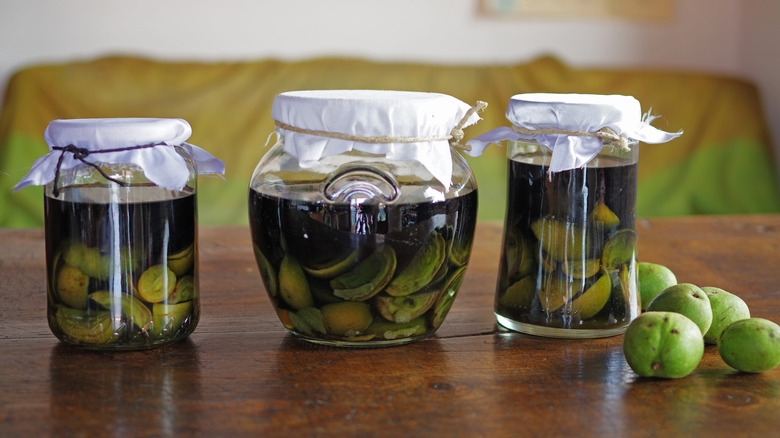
146,142
400,125
574,126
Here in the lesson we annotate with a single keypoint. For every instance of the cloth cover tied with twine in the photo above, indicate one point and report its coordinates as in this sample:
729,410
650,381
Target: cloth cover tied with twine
401,125
146,142
573,126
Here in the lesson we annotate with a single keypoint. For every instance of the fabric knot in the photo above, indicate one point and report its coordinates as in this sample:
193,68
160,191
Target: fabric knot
78,153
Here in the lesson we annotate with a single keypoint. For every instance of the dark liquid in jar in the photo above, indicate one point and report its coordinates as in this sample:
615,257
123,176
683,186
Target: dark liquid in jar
569,249
362,274
121,275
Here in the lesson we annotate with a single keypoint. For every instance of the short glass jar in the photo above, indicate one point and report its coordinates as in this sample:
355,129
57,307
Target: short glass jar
363,214
121,231
569,253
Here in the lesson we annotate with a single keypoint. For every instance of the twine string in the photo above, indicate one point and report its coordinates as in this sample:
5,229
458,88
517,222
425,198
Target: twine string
604,133
454,137
82,153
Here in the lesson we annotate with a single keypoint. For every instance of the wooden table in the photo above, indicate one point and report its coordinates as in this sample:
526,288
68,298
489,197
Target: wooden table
241,374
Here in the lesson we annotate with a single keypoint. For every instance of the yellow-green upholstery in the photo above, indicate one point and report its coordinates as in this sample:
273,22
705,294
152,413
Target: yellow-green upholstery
722,164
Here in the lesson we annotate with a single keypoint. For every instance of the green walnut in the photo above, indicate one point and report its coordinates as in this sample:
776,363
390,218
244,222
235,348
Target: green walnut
390,330
72,286
185,290
562,240
182,262
663,344
581,268
168,319
520,294
347,318
653,279
421,269
293,285
267,272
308,320
603,215
619,249
133,310
405,308
518,255
156,283
687,299
447,297
726,308
593,299
367,278
334,268
87,327
751,345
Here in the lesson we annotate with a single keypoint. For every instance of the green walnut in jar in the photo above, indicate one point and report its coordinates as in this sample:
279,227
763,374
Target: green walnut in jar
363,214
121,230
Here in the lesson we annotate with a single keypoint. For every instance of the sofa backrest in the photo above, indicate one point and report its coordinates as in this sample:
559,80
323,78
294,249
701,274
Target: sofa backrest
722,164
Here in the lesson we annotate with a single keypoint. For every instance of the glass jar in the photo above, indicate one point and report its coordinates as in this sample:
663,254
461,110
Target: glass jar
121,231
363,215
568,260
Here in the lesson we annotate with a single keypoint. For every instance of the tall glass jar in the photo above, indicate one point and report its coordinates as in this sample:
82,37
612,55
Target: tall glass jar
363,215
121,231
568,260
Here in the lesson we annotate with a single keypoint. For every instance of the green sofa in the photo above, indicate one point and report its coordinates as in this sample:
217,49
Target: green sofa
723,164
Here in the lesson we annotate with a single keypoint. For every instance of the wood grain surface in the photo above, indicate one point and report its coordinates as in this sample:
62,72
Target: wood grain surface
242,374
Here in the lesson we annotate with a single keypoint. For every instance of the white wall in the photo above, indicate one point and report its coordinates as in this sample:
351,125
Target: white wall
760,57
734,37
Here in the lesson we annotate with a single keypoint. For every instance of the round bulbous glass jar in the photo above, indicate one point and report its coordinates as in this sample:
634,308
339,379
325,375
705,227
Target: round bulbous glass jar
121,243
569,251
357,248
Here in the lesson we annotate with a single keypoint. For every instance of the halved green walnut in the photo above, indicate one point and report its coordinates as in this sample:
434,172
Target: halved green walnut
348,318
72,286
593,299
405,308
185,290
421,269
167,319
460,251
562,240
87,327
334,268
579,268
293,285
390,330
156,283
367,278
133,309
520,294
558,291
308,320
518,254
267,272
182,262
619,249
602,213
446,297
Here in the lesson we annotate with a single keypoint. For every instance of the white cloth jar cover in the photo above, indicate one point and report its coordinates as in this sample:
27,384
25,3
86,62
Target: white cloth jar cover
559,121
400,125
115,140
